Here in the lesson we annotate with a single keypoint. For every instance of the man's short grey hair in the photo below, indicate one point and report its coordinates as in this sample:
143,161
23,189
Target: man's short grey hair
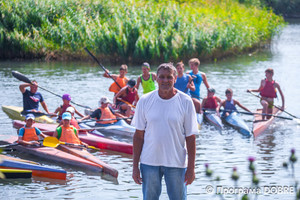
167,66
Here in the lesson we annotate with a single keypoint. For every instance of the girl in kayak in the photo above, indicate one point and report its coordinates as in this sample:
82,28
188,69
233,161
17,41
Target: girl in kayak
229,104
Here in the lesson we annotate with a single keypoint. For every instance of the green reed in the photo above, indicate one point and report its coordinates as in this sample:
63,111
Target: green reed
132,30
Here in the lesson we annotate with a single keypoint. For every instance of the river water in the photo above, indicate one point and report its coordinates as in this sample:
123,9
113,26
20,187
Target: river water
85,83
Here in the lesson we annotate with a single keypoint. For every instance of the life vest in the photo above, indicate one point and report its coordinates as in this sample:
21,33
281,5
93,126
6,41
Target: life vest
63,109
114,87
211,103
106,114
30,134
130,97
148,85
268,90
68,134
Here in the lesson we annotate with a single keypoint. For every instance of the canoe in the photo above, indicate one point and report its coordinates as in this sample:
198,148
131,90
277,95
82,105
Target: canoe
53,154
118,128
259,125
212,118
14,112
83,153
238,123
37,170
16,173
89,138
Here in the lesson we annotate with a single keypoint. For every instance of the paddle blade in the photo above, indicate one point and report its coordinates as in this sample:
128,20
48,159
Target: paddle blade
51,142
20,77
95,148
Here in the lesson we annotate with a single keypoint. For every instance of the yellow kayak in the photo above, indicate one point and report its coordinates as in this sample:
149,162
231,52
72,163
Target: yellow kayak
14,112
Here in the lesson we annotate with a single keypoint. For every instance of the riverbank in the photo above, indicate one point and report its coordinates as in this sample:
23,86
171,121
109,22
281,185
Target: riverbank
133,31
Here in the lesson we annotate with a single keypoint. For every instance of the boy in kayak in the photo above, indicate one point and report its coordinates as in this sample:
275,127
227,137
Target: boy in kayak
120,80
229,104
127,98
147,79
211,101
199,77
267,90
66,132
29,135
63,108
32,98
104,114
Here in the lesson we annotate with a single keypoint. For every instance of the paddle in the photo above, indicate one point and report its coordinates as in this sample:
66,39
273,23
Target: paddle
105,70
22,77
54,142
89,120
38,114
119,99
275,106
251,113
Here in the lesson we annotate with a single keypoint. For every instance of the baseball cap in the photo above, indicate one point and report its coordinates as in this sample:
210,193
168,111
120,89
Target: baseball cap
131,83
66,97
211,90
70,109
104,100
66,115
30,116
145,64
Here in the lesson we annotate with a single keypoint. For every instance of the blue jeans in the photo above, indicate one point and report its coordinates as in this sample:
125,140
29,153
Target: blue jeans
174,178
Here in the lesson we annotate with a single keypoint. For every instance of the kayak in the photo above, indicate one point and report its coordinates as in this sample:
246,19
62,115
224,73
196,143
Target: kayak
16,173
93,139
212,118
119,128
37,170
14,112
235,120
199,119
53,154
17,159
260,125
83,153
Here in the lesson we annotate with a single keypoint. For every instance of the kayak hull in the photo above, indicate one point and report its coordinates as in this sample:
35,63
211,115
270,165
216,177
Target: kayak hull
14,112
212,118
199,120
118,128
260,126
16,173
234,120
92,138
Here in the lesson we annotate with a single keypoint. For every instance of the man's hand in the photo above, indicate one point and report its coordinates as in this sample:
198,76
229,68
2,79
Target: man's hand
136,175
189,176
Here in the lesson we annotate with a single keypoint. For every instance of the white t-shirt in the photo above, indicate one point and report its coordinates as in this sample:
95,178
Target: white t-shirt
166,124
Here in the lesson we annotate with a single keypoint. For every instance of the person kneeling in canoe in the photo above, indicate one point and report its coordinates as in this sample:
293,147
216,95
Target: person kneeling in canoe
127,98
66,132
211,101
267,91
229,104
104,114
29,135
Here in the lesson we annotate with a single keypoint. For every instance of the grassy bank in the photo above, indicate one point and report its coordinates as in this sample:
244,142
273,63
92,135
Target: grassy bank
131,30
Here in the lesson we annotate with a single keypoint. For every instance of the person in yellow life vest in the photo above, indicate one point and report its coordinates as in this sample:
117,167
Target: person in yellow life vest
104,114
66,132
147,79
120,80
29,135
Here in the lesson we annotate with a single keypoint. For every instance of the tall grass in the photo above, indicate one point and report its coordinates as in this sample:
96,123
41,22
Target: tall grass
132,30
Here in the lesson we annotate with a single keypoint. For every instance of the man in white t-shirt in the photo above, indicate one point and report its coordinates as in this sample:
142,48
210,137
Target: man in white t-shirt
166,124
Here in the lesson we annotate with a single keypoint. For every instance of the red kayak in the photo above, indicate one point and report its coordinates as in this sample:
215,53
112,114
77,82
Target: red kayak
84,136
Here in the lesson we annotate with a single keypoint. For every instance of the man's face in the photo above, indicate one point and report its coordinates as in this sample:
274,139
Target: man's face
166,80
34,87
145,70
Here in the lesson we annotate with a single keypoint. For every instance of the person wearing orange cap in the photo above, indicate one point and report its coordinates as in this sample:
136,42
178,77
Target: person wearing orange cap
147,79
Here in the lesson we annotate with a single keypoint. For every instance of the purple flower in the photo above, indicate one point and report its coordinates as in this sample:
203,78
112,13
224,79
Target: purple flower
251,159
206,165
235,169
293,151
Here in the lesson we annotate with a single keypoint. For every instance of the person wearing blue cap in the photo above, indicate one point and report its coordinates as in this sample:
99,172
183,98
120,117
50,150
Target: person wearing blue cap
66,132
29,135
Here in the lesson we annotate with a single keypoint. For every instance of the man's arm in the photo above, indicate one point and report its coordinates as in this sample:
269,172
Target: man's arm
119,94
138,142
45,106
260,87
191,84
138,82
240,105
205,80
191,150
23,87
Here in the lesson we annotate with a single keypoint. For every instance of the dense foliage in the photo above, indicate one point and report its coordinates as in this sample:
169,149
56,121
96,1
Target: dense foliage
132,30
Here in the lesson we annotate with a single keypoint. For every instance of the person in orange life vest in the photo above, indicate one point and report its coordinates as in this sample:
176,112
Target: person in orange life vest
104,114
73,121
147,79
66,132
267,91
229,104
120,79
211,101
126,98
29,135
66,104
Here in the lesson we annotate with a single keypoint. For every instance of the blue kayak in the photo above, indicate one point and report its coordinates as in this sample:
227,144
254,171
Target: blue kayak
235,120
